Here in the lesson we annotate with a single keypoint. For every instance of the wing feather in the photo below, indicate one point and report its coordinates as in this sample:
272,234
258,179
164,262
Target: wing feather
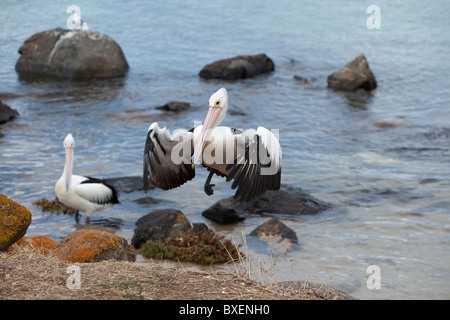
159,167
96,191
257,168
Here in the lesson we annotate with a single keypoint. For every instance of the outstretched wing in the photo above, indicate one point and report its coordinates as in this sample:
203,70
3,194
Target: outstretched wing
257,166
167,158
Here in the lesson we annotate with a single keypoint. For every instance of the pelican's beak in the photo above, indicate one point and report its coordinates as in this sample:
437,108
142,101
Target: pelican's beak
69,163
210,121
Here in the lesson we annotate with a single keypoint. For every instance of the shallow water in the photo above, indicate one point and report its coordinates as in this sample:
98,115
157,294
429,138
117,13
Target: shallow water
389,186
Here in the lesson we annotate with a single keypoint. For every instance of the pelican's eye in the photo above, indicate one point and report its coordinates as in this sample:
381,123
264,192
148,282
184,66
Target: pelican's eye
217,103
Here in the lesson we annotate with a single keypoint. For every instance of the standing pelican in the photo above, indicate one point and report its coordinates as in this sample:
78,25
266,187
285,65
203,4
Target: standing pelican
82,193
252,157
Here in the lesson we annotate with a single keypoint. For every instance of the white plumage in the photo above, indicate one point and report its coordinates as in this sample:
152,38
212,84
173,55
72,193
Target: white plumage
251,158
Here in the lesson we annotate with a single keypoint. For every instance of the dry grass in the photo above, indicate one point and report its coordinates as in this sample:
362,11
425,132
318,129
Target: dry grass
26,274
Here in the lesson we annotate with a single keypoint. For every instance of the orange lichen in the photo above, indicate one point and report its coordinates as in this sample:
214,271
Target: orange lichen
14,221
42,244
181,218
91,246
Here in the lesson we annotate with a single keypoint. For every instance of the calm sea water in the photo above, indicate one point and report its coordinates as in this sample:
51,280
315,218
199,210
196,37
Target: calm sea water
390,186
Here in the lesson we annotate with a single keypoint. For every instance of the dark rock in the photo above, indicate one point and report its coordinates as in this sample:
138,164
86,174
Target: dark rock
127,184
6,113
240,67
175,106
355,75
287,200
199,227
71,54
274,230
223,212
159,225
147,200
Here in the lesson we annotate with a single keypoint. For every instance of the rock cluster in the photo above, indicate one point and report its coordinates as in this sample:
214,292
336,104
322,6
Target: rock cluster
82,246
288,200
79,246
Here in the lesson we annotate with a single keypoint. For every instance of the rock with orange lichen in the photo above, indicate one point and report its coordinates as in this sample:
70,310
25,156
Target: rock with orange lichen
14,221
93,246
42,244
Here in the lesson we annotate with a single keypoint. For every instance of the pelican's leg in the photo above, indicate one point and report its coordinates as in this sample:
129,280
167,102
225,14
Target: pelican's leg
208,186
88,219
77,217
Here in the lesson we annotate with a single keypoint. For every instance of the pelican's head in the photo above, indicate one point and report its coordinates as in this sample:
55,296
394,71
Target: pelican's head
69,144
218,101
218,106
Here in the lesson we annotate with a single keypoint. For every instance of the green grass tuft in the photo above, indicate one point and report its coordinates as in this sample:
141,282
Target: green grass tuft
203,247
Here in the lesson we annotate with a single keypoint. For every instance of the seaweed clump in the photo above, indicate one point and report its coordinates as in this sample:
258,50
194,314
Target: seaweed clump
54,206
202,247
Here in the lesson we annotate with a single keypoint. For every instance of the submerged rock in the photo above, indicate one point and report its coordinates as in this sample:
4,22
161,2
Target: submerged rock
93,246
6,113
304,80
14,221
277,236
159,225
175,106
71,54
287,200
240,67
274,230
127,184
355,75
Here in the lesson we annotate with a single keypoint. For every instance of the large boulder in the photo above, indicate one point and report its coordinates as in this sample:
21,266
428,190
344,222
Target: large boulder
287,200
240,67
72,54
14,221
92,246
159,225
355,75
6,113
